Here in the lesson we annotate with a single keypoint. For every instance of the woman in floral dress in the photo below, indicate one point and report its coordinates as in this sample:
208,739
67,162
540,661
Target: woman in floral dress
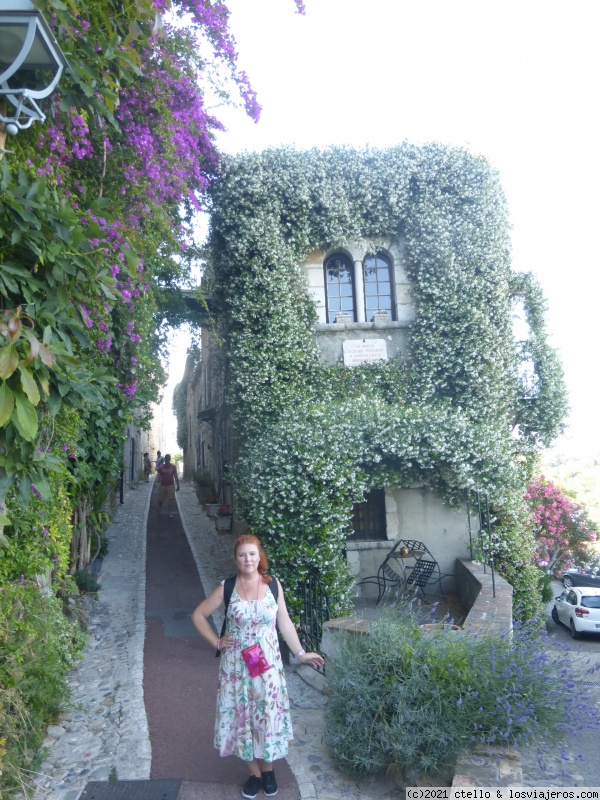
253,717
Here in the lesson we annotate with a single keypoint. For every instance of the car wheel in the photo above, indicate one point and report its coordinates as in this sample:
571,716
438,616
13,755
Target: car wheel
567,582
555,615
574,634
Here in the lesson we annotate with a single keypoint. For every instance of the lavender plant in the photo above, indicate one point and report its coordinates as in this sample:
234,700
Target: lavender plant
407,700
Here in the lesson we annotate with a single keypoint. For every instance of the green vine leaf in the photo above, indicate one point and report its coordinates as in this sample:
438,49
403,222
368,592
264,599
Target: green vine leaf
29,385
24,418
9,360
7,403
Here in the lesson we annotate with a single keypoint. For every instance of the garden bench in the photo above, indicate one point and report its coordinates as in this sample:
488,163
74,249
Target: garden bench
408,565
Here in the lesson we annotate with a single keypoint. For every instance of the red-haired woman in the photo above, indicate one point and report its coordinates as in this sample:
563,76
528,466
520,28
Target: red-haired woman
253,716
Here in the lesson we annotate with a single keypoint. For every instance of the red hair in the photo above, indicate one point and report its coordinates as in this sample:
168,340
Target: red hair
263,562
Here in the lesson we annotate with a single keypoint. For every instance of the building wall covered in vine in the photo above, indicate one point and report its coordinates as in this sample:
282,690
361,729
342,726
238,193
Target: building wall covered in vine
463,406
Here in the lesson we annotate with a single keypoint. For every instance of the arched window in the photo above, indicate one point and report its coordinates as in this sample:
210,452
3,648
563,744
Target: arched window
378,286
339,286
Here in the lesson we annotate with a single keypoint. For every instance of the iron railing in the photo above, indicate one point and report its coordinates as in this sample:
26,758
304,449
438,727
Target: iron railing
314,614
479,506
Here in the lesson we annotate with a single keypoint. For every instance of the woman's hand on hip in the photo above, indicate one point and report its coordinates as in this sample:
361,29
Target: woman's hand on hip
227,641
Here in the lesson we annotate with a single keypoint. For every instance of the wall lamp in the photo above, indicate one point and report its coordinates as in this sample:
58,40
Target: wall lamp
31,64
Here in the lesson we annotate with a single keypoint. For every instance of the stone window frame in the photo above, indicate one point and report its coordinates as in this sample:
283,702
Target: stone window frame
393,247
359,312
357,256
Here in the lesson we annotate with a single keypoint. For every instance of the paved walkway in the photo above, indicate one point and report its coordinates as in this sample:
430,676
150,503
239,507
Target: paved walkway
104,735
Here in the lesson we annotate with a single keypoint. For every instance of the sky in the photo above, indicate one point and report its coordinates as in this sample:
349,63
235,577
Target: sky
515,81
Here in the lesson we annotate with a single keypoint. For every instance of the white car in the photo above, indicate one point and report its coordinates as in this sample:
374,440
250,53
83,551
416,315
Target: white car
579,609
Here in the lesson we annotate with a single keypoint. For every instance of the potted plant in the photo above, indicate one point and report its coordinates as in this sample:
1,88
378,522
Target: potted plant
223,518
211,505
204,484
343,317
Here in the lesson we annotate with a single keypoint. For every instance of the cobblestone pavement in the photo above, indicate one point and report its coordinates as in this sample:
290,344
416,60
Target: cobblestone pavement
104,731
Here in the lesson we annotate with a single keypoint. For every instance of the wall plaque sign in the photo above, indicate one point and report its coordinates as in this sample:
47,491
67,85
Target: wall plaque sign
364,351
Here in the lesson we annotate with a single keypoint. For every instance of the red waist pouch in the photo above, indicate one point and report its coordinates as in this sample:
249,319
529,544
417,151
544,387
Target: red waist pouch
255,660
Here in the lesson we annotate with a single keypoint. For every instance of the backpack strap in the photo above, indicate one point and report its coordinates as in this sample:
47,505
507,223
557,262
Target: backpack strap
274,587
228,587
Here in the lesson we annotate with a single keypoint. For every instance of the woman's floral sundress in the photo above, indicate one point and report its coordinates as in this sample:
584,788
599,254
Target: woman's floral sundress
253,714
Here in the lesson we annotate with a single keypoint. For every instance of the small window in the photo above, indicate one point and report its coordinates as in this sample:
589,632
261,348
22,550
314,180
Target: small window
368,522
378,286
339,286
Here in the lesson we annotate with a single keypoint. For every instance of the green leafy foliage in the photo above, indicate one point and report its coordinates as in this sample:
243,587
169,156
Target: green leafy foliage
38,645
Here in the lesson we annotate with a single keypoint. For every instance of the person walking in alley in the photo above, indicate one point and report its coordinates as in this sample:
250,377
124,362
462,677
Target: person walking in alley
167,480
147,467
253,716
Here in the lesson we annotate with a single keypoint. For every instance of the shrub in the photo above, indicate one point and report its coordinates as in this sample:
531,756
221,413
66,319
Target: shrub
38,645
205,487
407,700
86,582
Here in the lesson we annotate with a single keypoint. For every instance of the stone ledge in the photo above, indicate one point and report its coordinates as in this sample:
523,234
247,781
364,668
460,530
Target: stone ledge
476,592
336,327
489,766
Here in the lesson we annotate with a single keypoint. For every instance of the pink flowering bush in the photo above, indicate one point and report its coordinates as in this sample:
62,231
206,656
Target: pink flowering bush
563,530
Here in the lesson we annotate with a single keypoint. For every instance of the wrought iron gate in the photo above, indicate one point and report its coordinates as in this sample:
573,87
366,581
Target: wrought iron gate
314,613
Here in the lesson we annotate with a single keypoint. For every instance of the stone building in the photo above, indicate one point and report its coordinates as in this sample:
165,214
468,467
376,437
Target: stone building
359,369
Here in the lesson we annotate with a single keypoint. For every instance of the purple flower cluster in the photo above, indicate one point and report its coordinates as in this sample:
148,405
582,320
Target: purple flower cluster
67,138
173,149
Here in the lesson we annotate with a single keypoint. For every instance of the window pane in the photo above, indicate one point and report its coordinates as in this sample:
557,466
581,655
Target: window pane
339,285
377,285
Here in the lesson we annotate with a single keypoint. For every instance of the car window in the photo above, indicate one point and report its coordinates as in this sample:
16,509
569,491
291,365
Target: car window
572,598
591,601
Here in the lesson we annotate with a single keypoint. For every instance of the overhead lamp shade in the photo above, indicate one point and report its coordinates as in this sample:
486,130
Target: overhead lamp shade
31,62
13,34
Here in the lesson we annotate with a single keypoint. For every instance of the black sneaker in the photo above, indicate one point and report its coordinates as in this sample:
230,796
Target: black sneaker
269,783
251,787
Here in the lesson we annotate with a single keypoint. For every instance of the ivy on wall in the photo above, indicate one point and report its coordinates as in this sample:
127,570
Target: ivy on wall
450,415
